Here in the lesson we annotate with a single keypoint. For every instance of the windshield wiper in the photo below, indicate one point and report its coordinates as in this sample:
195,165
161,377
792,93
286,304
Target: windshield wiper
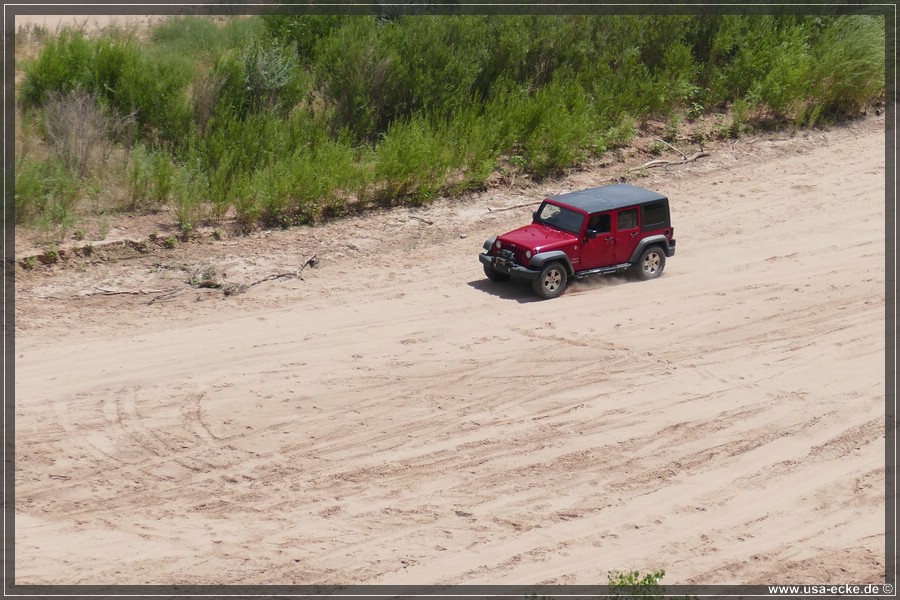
553,225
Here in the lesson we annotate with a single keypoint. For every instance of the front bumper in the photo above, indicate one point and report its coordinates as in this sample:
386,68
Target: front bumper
509,268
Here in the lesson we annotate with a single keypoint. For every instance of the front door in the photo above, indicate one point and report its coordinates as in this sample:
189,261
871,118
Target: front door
597,251
626,235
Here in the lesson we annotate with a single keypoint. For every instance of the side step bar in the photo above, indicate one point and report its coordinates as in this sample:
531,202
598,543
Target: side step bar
602,270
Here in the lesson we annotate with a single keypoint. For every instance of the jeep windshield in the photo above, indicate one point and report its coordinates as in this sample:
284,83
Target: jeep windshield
559,217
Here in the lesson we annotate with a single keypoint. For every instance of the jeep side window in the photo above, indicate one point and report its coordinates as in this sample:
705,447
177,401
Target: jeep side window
600,223
628,219
656,215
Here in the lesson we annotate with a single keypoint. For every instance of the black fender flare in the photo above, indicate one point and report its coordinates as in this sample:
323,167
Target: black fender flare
489,243
539,260
653,240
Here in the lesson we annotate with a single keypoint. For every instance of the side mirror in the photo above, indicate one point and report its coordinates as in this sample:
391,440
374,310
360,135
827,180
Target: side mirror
591,233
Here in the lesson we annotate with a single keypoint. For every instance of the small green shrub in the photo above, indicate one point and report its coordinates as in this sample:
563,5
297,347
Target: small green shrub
162,178
188,187
672,126
633,585
150,177
46,193
51,254
139,175
740,111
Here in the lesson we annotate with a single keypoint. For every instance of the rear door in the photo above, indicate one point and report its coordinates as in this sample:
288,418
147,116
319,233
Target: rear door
597,251
627,233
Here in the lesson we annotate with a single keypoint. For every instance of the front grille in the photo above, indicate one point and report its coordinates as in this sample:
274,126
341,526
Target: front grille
517,254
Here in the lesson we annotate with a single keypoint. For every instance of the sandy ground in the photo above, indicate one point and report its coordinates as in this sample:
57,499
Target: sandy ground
392,417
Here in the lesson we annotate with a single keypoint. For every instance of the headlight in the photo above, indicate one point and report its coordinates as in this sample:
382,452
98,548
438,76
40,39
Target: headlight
497,244
528,254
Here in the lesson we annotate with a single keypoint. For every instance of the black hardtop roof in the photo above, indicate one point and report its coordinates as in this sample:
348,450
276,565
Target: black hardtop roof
608,197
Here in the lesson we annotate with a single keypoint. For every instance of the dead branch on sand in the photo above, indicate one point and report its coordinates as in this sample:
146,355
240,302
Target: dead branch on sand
237,288
105,292
312,261
166,297
683,155
514,207
670,163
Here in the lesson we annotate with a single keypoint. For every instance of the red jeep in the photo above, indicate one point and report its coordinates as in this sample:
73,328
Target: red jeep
597,231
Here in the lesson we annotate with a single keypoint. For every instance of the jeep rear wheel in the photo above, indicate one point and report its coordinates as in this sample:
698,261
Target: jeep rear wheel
494,275
651,263
551,282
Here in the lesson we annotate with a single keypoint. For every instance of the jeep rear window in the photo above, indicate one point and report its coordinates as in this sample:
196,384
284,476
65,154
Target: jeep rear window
560,217
656,216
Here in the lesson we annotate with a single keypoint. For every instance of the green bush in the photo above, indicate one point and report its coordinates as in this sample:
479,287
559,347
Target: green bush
412,161
431,65
784,83
272,79
63,65
476,147
632,584
552,129
316,179
188,190
247,200
109,60
303,32
130,80
847,67
350,72
151,178
46,193
138,176
154,88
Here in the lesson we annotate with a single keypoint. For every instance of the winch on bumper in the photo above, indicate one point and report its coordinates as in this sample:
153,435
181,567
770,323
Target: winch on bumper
505,262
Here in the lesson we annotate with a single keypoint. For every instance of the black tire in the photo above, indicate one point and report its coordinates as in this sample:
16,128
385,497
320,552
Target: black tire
552,281
651,263
494,275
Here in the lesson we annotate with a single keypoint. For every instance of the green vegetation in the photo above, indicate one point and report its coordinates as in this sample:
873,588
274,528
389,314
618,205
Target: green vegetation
290,119
633,585
630,585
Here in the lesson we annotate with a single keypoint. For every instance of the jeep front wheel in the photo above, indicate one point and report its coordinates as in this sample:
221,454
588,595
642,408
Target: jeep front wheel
551,282
651,263
493,274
